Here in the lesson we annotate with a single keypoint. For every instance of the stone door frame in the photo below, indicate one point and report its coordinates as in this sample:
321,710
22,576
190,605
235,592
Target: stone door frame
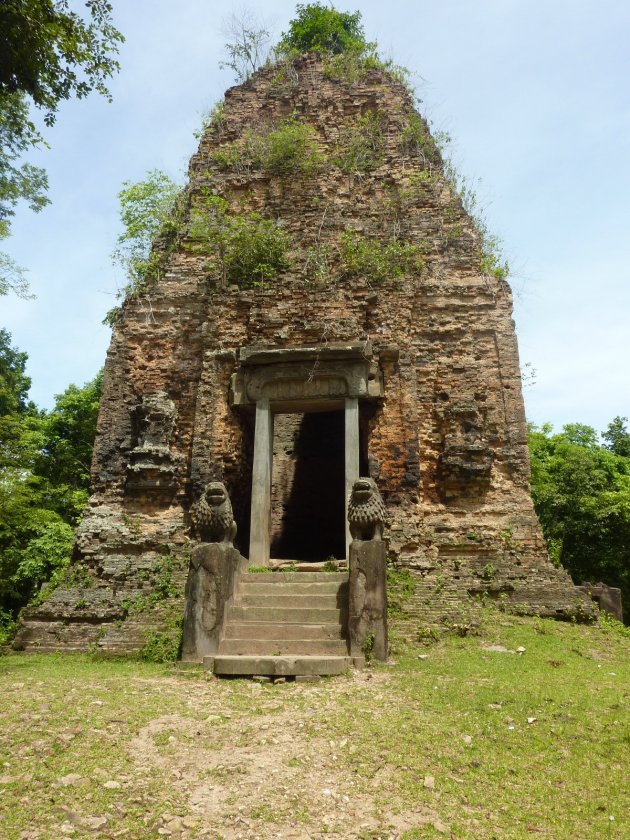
300,380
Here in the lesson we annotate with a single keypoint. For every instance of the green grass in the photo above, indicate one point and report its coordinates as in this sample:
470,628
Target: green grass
427,747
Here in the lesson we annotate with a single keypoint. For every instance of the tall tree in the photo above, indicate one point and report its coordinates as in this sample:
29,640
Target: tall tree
617,437
48,53
581,492
44,479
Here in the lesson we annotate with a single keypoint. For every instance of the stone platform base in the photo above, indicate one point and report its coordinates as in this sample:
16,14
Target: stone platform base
280,666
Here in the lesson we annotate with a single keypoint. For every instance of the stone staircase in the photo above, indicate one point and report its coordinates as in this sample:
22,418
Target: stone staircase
286,624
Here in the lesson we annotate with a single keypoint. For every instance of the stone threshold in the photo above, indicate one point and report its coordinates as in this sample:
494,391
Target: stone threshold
281,666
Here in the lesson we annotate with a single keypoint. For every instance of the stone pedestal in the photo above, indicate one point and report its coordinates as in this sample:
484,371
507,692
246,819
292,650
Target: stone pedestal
214,568
367,613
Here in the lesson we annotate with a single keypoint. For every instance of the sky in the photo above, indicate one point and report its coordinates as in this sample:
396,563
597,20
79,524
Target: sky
535,94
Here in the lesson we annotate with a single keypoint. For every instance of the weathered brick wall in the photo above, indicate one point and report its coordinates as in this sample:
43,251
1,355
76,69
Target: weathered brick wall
447,444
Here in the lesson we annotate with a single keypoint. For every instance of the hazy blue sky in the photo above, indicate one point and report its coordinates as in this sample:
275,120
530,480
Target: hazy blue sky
536,95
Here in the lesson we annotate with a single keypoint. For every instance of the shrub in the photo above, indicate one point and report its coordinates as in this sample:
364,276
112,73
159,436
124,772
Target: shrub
290,148
360,147
401,587
351,68
164,645
248,249
214,120
416,141
285,150
317,262
150,210
377,261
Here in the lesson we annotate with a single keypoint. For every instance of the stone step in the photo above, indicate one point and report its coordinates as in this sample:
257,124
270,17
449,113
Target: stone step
278,647
278,666
294,577
289,615
276,630
281,601
285,587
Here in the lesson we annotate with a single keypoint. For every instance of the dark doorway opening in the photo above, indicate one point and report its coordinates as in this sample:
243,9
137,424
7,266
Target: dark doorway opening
307,492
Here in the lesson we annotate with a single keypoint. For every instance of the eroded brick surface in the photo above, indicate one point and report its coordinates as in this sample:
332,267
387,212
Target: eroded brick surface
447,443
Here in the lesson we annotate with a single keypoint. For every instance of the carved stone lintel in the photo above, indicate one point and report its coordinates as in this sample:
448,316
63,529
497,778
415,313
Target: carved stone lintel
294,376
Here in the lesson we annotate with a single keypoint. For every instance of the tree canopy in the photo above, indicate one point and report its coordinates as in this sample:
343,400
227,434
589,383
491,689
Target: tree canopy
48,53
581,492
617,437
322,29
44,479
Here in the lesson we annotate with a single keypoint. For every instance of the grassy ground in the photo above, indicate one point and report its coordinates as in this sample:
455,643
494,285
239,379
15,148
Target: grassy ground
454,740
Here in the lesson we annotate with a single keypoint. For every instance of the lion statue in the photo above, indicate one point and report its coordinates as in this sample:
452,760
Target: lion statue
366,511
211,516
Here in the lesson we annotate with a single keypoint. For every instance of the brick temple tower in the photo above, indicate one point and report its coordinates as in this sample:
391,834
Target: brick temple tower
372,336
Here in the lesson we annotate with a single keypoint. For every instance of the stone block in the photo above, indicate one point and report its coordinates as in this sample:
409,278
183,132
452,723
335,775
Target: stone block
367,608
209,588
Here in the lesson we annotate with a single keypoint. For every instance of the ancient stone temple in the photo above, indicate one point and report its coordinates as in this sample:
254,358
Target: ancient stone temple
372,336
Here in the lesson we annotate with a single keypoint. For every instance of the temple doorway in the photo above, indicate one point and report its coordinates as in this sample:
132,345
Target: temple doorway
308,487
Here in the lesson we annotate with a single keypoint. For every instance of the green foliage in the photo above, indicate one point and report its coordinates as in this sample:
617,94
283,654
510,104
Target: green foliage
581,492
44,477
360,147
285,77
18,181
14,383
322,29
339,38
259,570
286,149
489,571
367,647
162,587
492,263
214,120
164,645
428,634
352,68
617,437
401,587
377,261
611,625
317,265
49,54
416,141
247,249
69,432
148,209
163,584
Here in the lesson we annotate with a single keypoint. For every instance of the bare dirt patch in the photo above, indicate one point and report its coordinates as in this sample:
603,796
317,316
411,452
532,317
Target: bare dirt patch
271,775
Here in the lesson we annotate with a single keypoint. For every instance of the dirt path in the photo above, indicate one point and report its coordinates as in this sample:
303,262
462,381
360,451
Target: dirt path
271,775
